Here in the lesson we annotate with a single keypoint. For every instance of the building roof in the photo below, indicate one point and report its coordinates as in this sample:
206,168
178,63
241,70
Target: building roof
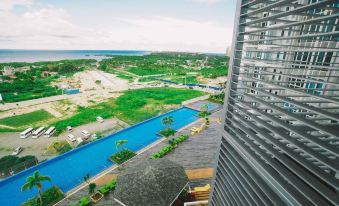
151,182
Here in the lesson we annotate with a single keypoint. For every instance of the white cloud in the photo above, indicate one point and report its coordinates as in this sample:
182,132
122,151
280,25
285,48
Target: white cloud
206,1
9,4
52,28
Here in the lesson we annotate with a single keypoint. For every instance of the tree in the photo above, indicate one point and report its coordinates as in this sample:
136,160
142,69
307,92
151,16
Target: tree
204,107
168,121
35,181
91,188
86,178
119,143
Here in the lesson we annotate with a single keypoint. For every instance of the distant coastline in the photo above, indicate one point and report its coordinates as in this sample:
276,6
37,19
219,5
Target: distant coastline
30,56
8,55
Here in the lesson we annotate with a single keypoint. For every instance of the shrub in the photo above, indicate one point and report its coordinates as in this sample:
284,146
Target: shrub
164,151
122,156
108,187
167,132
59,147
204,114
170,147
84,201
91,188
49,198
9,163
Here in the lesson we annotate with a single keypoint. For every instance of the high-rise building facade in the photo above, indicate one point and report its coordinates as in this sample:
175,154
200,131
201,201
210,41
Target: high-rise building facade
280,139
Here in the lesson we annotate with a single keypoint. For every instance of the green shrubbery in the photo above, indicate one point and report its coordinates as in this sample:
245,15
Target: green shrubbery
7,163
59,147
122,156
84,201
49,198
108,187
170,147
204,114
174,63
167,132
219,98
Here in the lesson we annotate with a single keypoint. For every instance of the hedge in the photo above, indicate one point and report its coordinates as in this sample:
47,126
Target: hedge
170,147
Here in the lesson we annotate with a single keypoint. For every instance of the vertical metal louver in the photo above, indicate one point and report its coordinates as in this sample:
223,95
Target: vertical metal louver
280,140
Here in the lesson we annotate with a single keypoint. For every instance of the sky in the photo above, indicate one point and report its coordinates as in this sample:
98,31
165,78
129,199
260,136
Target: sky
152,25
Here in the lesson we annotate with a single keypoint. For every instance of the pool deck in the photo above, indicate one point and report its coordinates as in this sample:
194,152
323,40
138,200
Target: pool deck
197,155
197,105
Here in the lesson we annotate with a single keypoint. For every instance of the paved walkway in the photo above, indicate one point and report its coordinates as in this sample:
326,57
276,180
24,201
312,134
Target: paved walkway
197,155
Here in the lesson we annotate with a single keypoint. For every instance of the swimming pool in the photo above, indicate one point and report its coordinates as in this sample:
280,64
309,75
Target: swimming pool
67,170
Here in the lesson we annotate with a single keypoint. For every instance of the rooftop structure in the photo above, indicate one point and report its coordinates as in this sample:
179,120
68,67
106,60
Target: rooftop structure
151,182
280,136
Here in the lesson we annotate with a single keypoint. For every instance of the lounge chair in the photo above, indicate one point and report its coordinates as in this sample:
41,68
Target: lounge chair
194,130
202,193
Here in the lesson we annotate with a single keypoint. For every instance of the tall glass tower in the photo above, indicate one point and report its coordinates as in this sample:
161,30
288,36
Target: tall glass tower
280,139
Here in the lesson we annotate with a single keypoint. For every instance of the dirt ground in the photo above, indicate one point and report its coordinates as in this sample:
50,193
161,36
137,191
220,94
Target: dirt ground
37,147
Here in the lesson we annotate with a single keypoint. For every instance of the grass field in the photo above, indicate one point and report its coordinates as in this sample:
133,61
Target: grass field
187,80
26,119
132,107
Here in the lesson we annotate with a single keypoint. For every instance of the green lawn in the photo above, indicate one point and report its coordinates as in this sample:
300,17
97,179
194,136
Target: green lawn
189,79
26,119
132,107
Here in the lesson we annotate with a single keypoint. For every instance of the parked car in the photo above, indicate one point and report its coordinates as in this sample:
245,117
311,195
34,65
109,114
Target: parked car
100,119
71,137
17,151
69,128
79,140
94,136
86,134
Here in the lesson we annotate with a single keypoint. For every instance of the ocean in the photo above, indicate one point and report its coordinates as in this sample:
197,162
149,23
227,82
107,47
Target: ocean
7,55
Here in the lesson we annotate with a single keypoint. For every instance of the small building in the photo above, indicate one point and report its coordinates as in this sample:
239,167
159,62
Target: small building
156,182
8,71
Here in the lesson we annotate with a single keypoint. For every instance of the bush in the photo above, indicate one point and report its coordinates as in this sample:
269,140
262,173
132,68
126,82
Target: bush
170,147
108,187
49,198
167,132
165,150
219,98
204,114
84,201
15,163
59,147
91,188
122,156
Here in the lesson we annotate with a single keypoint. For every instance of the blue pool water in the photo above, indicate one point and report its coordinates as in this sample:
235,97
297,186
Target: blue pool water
68,170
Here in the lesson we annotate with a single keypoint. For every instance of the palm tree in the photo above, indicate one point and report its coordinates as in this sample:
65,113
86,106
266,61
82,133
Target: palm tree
204,107
35,181
119,143
168,121
86,178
